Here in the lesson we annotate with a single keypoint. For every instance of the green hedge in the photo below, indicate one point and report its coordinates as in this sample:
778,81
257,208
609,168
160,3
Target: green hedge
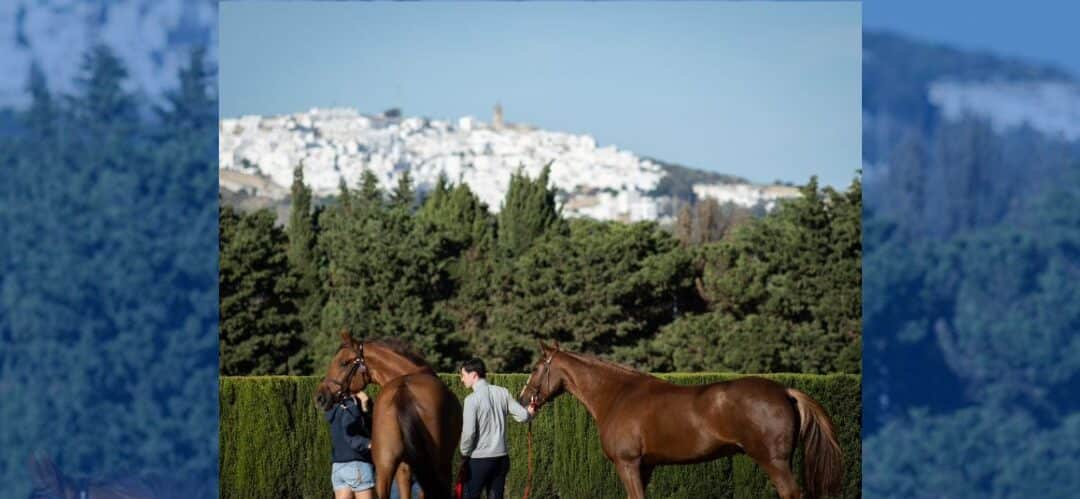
274,443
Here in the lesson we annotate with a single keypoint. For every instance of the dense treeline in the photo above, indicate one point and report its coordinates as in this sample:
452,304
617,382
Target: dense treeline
988,311
972,242
721,291
108,315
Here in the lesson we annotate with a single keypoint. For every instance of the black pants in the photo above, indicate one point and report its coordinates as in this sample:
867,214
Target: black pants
487,474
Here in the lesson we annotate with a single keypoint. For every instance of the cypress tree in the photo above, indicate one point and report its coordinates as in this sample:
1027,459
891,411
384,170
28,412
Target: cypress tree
345,196
386,276
403,195
109,265
260,329
41,116
529,211
191,104
303,265
784,292
369,188
102,98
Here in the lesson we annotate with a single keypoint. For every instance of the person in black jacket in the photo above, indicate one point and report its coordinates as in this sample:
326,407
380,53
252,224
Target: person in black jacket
353,475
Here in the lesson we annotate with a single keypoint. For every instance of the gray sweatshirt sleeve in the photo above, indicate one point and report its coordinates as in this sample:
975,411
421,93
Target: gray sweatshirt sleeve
468,430
517,411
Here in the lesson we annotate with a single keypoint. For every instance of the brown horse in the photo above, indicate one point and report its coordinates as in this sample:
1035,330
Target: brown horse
416,419
644,421
49,483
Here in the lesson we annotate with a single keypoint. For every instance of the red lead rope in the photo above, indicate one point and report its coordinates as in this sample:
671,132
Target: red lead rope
528,481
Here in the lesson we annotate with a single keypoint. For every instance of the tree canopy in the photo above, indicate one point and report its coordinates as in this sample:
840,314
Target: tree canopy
767,293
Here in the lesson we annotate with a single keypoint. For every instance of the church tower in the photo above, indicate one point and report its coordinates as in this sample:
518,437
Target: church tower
497,120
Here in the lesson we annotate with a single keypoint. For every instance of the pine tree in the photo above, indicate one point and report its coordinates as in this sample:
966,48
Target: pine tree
111,263
101,97
191,104
403,195
784,292
345,196
528,212
603,289
260,328
386,275
41,117
369,188
459,213
303,264
438,192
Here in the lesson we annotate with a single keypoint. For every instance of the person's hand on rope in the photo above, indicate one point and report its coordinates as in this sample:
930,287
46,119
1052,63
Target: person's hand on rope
362,400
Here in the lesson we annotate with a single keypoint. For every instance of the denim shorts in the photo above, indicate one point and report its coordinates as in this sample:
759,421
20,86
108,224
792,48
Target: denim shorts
356,475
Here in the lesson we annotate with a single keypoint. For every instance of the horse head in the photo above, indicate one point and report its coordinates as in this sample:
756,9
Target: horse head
546,380
347,373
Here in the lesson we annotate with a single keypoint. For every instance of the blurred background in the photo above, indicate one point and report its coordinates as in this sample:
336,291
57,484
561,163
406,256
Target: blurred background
108,290
971,156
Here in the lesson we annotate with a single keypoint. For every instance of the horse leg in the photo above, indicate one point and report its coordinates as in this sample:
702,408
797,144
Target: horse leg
780,474
384,478
630,474
646,475
404,481
386,462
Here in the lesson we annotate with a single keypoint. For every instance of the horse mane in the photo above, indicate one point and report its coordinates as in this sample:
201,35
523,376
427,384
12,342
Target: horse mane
404,349
594,360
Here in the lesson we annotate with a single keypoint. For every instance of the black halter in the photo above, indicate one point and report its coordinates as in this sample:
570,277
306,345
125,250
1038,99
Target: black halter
543,382
358,365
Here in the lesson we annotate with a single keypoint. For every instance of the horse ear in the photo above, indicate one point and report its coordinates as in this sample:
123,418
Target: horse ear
556,345
543,348
346,338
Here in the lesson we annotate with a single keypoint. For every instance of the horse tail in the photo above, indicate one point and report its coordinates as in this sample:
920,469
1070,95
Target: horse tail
418,444
822,458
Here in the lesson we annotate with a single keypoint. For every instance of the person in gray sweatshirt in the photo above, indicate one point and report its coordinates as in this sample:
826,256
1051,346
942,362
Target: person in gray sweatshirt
483,435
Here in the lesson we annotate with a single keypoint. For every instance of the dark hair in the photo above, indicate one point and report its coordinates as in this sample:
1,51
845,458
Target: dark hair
475,366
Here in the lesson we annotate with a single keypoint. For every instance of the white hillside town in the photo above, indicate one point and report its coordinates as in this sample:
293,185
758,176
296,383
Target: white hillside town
258,154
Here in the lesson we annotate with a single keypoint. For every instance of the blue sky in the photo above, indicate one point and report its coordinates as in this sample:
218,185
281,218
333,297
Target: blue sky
766,91
1037,30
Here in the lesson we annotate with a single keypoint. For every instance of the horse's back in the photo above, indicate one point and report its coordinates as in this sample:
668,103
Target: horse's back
426,388
739,390
752,386
747,395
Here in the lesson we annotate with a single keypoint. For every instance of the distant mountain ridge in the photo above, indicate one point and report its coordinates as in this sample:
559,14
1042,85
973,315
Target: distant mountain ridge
950,137
259,153
910,85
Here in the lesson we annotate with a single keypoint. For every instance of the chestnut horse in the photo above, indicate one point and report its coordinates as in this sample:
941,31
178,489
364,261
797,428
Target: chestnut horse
644,421
416,419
